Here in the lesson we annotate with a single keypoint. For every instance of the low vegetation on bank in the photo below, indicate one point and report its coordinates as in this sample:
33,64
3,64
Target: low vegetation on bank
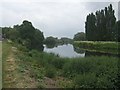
101,46
89,72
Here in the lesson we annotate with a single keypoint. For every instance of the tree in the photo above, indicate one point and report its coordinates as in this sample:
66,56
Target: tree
33,37
65,40
99,27
37,41
90,26
79,36
50,40
26,35
116,33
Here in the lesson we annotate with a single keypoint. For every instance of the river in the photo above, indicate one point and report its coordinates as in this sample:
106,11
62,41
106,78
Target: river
69,51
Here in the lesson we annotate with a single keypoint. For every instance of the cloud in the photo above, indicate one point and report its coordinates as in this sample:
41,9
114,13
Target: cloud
53,18
93,6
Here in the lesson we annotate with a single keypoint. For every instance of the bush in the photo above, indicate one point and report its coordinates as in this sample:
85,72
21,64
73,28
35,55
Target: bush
22,48
58,62
87,80
77,66
109,47
50,71
104,82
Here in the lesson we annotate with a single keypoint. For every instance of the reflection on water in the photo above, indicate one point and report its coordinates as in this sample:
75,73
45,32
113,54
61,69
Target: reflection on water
64,51
77,50
90,53
71,51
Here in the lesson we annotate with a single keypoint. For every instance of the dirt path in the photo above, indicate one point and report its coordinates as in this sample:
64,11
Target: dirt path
15,79
20,74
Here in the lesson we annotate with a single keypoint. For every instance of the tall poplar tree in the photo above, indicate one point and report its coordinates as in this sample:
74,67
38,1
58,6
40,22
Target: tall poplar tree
99,27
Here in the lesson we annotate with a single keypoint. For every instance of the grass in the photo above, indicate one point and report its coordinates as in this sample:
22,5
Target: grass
15,76
101,46
6,48
89,72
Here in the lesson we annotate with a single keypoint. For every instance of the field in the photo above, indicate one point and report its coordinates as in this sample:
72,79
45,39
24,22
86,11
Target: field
43,70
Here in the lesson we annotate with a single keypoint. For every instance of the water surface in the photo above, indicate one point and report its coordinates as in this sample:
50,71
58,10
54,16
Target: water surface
64,51
71,51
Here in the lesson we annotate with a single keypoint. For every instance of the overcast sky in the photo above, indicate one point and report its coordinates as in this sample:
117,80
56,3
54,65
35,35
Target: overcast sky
62,18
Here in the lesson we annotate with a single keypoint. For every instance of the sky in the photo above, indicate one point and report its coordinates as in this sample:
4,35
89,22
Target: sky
58,18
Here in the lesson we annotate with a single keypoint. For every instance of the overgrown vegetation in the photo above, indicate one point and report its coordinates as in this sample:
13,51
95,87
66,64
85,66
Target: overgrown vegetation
89,72
25,34
106,47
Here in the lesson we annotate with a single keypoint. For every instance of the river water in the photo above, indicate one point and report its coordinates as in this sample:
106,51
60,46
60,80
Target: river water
68,50
64,51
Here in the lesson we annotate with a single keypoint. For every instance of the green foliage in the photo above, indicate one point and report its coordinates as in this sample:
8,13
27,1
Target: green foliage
92,72
50,40
65,40
108,47
116,34
79,36
99,27
50,71
77,66
87,80
6,48
58,62
88,72
26,35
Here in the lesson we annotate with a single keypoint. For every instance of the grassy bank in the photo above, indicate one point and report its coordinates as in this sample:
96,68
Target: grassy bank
99,46
53,71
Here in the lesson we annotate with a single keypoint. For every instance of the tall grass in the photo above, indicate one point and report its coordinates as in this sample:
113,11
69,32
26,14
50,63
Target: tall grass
93,72
6,49
108,47
89,72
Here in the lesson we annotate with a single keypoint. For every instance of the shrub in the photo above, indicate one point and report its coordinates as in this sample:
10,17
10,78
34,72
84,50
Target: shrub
50,71
58,62
87,80
104,82
77,66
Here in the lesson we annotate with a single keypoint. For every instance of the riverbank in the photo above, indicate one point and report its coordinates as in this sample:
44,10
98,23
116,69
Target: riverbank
99,46
51,71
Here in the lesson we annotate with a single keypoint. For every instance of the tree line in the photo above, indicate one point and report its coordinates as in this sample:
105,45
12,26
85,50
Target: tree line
54,41
25,34
102,26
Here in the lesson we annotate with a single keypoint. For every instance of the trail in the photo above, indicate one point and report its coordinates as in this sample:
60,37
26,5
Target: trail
13,78
18,76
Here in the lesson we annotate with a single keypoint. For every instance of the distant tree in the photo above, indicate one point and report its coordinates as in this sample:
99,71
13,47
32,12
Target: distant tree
13,34
79,36
99,27
90,26
50,40
5,31
33,37
37,41
65,40
26,35
116,30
